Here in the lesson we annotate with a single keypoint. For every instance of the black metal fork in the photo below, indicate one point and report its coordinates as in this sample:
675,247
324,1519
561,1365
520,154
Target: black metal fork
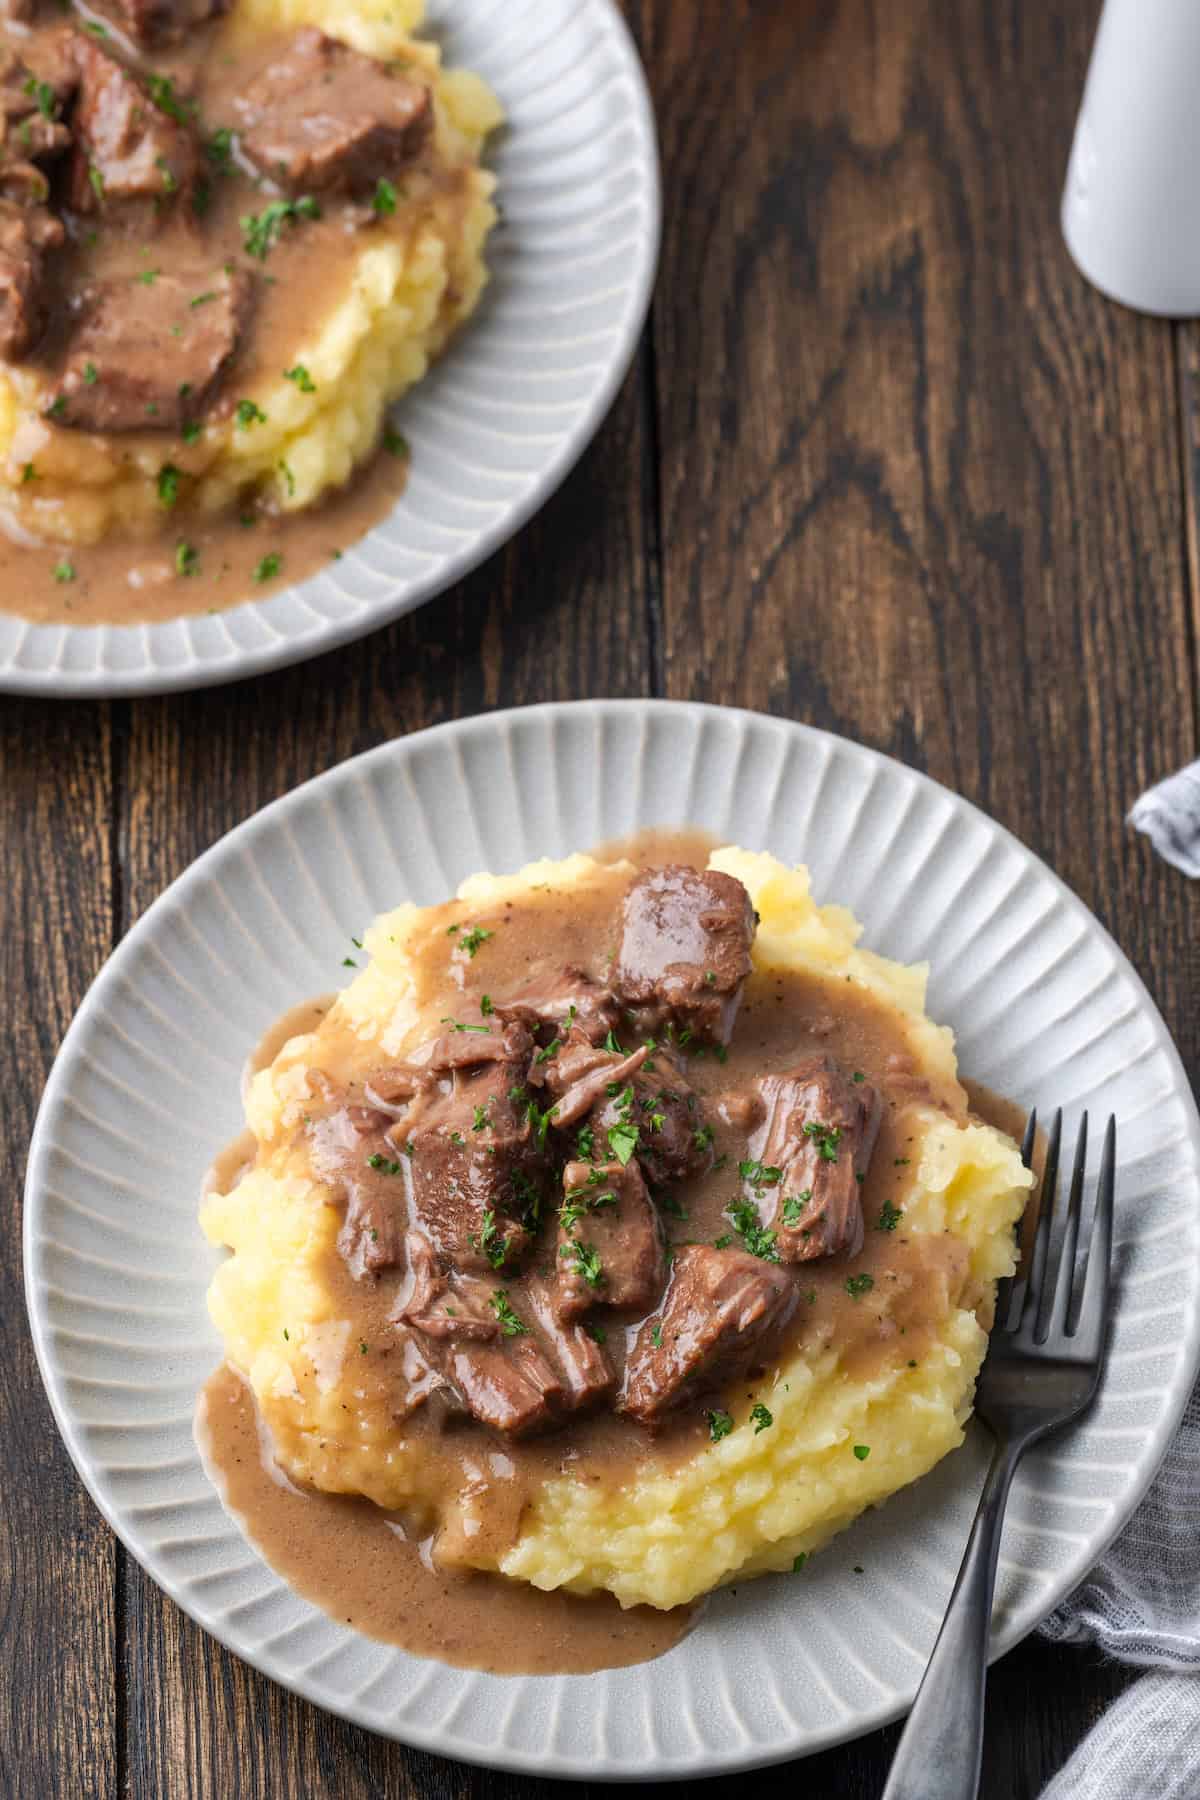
1042,1369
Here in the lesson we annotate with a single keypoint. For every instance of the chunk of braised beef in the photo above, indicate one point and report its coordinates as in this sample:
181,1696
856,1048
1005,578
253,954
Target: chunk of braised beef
810,1157
478,1165
674,1142
33,131
132,161
153,23
347,1148
447,1306
581,1361
151,356
323,119
509,1385
579,1074
608,1251
28,236
719,1316
571,1002
684,953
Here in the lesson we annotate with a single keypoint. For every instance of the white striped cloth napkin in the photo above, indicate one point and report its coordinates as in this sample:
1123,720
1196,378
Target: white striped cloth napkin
1141,1604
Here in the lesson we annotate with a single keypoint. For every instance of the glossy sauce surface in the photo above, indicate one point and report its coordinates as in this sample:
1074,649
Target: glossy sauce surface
320,1542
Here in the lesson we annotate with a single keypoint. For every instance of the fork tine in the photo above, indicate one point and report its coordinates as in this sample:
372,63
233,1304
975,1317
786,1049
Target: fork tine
1041,1243
1055,1299
1005,1286
1088,1318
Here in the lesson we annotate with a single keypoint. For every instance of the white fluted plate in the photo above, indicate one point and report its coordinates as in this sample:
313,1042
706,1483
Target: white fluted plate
146,1086
501,420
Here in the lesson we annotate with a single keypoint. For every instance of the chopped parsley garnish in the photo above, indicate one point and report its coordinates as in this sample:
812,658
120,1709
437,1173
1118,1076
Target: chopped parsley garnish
489,1242
826,1138
597,1333
395,443
204,299
456,1137
703,1138
743,1216
57,408
540,1121
168,484
585,1143
64,571
552,1049
187,560
760,1418
219,148
586,1261
794,1205
481,1121
43,93
799,1561
286,1338
170,184
710,977
669,1204
289,479
91,374
760,1175
862,1451
656,1336
889,1217
97,181
719,1424
472,941
161,89
858,1285
362,1346
485,1005
901,1162
580,1203
28,473
384,1164
456,1025
622,1141
510,1324
858,1075
147,277
385,197
260,231
249,413
612,1046
724,1241
268,567
302,379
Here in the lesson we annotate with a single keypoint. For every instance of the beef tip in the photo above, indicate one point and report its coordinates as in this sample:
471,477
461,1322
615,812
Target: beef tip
476,1161
323,119
145,357
445,1307
508,1385
468,1044
571,999
341,1148
818,1133
585,1371
152,23
33,133
131,160
684,952
28,235
580,1073
717,1318
674,1143
609,1251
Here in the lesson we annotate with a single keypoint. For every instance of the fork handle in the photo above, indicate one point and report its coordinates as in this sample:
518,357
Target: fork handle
940,1753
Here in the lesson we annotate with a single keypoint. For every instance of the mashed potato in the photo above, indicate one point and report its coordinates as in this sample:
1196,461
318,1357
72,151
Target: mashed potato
751,1502
402,299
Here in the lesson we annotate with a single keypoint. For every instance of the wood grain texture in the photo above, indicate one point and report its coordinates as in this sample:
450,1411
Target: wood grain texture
58,1695
887,465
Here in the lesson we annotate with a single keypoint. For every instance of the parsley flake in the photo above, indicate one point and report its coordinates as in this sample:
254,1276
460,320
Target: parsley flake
760,1418
510,1324
719,1424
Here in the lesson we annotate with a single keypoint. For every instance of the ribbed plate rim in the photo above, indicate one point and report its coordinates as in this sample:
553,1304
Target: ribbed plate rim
1023,1619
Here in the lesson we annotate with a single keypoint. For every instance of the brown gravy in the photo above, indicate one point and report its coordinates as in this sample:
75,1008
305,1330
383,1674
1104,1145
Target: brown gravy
252,549
338,1552
355,1562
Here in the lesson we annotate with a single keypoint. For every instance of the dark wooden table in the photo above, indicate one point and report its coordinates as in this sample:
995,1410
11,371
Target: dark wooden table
884,463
